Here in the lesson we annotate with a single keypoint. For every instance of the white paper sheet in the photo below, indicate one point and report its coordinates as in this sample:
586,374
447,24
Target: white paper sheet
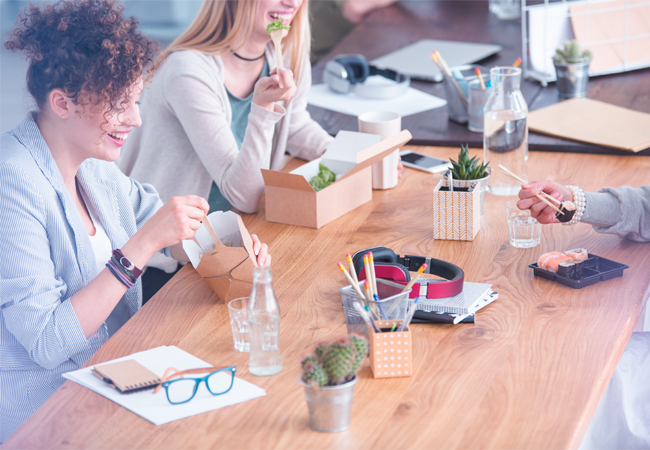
411,102
156,408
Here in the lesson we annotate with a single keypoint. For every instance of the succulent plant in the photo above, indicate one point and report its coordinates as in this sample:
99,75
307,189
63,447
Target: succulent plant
571,54
466,168
335,363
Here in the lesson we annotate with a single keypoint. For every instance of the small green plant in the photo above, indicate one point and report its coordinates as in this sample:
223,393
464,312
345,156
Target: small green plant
324,178
466,168
335,363
571,54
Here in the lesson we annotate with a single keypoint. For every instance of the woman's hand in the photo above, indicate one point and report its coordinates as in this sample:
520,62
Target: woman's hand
538,209
262,251
177,220
268,91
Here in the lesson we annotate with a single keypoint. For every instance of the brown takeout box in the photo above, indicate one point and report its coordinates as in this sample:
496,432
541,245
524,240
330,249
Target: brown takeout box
228,266
290,199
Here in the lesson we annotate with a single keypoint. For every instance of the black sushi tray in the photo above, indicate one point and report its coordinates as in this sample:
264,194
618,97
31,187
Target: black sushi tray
596,269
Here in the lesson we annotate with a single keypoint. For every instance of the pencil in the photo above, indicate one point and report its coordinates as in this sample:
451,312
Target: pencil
371,261
517,62
366,266
410,284
354,285
353,271
480,77
445,70
366,287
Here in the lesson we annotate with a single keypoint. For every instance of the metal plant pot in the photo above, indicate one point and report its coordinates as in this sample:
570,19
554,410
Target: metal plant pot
572,79
329,406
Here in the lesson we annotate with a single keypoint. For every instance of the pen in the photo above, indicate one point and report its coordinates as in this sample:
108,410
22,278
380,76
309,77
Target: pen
394,326
364,315
409,315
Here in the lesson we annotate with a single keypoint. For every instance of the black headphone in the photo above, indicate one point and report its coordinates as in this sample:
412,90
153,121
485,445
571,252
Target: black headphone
346,73
388,259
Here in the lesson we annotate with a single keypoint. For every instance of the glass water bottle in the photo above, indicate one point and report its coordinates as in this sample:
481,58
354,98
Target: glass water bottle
505,131
264,323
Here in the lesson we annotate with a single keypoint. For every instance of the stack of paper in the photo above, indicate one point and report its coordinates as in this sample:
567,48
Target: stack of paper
586,120
155,407
474,297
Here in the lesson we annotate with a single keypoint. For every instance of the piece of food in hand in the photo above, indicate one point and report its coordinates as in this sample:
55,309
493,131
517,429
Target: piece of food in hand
568,210
324,178
275,30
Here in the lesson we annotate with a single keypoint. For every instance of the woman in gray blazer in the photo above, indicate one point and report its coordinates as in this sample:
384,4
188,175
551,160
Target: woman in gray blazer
75,230
622,419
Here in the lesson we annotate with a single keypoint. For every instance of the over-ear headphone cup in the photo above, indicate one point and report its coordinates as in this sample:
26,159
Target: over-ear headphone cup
379,254
356,67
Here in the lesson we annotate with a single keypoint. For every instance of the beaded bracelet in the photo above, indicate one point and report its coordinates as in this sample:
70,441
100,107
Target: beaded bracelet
580,201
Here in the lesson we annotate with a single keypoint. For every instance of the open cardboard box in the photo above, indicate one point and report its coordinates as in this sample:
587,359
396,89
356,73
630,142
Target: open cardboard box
290,198
228,266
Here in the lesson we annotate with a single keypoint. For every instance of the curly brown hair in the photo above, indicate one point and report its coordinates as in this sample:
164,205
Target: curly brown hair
85,48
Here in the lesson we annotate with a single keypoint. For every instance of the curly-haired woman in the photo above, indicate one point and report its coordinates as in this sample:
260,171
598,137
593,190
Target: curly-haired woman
65,207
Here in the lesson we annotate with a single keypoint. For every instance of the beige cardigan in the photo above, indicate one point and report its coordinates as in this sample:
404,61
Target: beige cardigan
186,142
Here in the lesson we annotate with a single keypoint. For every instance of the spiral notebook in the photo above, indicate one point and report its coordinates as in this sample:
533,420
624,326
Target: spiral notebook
126,376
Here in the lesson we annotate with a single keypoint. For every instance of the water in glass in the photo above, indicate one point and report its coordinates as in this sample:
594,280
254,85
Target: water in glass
505,137
264,322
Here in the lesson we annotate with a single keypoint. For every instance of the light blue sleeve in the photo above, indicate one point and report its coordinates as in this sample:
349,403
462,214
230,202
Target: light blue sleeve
35,302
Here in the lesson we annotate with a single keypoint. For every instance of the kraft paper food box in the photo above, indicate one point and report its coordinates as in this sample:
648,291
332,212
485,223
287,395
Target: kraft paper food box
227,267
291,200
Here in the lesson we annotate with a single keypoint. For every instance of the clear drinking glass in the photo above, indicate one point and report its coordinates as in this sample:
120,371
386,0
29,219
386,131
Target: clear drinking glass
506,9
264,320
525,231
477,98
505,130
238,311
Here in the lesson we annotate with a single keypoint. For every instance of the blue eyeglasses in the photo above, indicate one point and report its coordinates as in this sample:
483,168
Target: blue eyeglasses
218,381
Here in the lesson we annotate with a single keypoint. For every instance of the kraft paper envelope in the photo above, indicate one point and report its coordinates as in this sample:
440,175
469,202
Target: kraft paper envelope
600,123
227,268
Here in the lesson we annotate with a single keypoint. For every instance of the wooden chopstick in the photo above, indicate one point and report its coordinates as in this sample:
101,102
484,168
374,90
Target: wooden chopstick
213,235
521,181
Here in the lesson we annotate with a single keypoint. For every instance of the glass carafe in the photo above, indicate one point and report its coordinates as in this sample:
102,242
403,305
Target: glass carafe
505,135
264,325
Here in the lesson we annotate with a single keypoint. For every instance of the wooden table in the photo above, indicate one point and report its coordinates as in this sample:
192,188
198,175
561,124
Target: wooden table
528,374
409,21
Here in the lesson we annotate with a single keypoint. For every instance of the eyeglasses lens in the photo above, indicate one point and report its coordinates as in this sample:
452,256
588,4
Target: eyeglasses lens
220,382
181,390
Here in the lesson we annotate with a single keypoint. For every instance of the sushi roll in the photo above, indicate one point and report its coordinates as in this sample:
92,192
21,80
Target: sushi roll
579,265
578,253
543,259
568,210
553,264
567,268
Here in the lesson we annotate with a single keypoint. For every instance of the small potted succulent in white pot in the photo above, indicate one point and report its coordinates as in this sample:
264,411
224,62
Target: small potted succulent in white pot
466,172
329,376
572,70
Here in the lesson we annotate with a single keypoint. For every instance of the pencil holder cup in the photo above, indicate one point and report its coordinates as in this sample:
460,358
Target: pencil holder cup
457,213
392,305
390,351
456,90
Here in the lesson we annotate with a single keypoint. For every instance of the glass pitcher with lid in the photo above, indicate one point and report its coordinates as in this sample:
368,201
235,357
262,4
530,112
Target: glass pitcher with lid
505,130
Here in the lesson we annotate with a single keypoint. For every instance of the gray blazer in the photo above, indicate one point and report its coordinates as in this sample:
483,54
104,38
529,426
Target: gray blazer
46,257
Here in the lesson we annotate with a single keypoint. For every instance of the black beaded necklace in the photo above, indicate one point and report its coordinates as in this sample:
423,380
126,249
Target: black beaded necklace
249,59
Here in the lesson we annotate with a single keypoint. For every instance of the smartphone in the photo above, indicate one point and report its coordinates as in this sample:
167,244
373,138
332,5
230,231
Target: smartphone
423,162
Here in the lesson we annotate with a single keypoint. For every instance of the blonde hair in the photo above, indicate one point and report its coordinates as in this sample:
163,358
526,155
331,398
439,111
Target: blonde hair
224,25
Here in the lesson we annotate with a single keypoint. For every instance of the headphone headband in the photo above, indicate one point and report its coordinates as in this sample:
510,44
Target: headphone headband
348,73
451,272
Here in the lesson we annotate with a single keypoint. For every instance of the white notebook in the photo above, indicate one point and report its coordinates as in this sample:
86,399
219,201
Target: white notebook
155,407
474,297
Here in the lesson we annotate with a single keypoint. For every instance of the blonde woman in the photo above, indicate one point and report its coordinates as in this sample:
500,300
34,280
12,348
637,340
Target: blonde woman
215,113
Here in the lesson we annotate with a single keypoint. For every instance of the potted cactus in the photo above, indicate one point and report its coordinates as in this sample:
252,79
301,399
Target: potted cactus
329,376
572,70
466,172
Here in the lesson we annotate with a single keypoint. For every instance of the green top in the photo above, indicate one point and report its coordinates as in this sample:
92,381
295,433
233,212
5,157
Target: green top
241,108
